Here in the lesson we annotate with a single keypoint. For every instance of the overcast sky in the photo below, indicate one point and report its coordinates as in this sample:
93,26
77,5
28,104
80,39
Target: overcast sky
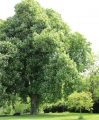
81,15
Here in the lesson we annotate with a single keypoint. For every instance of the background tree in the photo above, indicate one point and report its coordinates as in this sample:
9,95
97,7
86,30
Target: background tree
80,51
94,83
80,101
93,86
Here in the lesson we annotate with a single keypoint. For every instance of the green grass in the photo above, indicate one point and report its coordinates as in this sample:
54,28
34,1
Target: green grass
53,116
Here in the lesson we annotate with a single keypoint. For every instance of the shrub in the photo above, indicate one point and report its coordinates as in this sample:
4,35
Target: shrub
19,107
80,101
55,107
96,107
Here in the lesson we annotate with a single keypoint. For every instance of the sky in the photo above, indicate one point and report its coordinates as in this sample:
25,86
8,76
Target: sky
81,15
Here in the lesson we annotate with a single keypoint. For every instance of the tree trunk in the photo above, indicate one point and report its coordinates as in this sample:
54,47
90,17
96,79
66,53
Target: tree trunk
34,105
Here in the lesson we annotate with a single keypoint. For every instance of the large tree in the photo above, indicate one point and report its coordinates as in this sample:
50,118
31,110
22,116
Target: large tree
38,57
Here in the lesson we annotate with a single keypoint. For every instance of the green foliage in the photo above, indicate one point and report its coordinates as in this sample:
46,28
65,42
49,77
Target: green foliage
80,51
39,56
19,107
14,105
7,109
59,106
93,82
80,101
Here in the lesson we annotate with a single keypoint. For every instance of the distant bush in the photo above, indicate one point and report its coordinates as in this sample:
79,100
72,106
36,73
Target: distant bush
80,101
96,107
19,107
6,109
55,107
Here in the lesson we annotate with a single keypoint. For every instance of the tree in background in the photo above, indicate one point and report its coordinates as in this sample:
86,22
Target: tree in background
80,51
40,55
93,86
94,83
80,101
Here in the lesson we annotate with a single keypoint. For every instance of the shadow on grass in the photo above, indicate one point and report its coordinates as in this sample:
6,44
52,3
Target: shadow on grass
52,115
5,115
44,116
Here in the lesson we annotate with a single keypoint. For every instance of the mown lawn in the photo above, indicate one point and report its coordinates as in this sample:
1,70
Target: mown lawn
53,116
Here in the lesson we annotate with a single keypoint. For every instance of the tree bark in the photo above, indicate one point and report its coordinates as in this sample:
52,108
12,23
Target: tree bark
34,105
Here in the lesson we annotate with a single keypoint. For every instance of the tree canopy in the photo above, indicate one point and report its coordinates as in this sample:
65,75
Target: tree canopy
40,57
80,101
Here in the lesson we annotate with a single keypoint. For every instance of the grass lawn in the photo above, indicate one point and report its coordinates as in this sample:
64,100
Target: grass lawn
53,116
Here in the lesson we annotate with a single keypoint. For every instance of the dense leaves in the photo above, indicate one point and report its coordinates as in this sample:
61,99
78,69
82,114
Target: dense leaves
41,58
80,101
